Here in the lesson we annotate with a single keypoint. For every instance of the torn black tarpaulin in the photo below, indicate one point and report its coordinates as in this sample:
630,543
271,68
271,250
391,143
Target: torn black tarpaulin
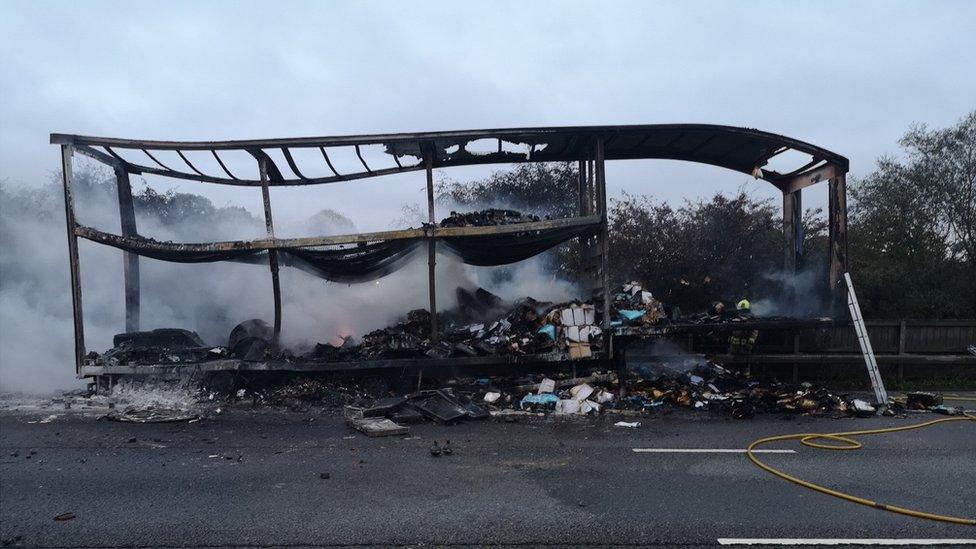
493,250
358,263
361,262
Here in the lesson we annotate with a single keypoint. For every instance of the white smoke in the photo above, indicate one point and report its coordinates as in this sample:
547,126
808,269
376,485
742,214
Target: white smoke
792,294
36,327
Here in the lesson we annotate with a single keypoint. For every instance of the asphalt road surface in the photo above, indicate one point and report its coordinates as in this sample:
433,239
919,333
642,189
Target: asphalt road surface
254,478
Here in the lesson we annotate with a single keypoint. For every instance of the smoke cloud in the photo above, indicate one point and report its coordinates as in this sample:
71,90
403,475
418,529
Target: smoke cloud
794,295
36,328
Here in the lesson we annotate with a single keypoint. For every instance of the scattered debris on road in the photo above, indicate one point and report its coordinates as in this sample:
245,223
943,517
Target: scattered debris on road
919,400
151,415
377,427
483,324
444,449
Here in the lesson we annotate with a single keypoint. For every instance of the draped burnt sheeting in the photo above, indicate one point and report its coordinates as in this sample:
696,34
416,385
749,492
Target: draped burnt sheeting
491,250
362,262
358,263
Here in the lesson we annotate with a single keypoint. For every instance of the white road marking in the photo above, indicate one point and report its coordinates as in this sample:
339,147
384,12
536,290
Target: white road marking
843,541
708,451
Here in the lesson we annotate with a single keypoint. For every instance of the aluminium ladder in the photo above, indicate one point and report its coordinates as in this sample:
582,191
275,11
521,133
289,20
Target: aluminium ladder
862,338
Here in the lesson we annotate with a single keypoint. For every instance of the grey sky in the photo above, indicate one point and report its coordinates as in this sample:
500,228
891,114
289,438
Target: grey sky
848,76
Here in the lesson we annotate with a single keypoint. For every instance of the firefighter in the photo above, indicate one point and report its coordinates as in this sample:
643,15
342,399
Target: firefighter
741,342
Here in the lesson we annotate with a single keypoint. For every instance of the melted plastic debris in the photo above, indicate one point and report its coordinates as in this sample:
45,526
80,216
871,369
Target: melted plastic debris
47,419
151,403
151,415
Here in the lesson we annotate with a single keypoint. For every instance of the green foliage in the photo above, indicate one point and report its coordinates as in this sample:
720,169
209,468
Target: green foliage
701,252
913,227
942,164
544,189
547,190
173,208
329,221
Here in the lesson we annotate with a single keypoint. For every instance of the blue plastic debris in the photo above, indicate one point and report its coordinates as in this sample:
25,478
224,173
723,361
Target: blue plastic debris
545,399
947,410
549,330
645,403
616,323
631,314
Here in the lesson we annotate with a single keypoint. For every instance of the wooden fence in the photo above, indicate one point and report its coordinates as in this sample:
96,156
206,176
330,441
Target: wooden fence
925,348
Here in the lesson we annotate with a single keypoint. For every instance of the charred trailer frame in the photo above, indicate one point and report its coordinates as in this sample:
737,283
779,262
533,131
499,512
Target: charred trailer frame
740,149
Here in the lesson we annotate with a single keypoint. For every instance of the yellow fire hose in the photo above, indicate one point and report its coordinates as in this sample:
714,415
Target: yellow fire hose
846,443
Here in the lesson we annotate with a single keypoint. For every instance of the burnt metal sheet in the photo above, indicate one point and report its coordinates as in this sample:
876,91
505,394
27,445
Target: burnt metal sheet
438,405
745,150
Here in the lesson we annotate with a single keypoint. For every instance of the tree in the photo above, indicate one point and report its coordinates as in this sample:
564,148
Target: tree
912,244
549,190
545,189
942,164
720,249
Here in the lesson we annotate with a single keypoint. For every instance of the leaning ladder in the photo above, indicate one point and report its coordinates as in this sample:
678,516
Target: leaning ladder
862,337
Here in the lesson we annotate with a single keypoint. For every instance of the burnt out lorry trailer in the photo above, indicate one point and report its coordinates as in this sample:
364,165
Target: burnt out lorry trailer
592,341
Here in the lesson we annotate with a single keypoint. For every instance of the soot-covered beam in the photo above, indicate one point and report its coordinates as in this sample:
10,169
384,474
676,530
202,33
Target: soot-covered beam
837,250
431,247
272,254
130,261
69,215
793,231
601,183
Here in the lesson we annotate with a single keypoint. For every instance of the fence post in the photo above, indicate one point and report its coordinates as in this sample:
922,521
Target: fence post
901,349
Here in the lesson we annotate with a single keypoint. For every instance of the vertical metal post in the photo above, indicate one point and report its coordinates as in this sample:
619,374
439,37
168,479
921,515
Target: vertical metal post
837,249
604,244
789,263
902,326
69,216
581,203
901,349
590,189
793,231
581,187
272,254
798,230
130,261
431,248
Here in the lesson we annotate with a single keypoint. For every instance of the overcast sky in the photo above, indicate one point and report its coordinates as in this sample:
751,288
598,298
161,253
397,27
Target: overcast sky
848,76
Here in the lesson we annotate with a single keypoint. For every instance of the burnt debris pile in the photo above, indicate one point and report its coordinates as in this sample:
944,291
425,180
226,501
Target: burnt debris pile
161,346
482,324
686,383
699,384
632,305
484,218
